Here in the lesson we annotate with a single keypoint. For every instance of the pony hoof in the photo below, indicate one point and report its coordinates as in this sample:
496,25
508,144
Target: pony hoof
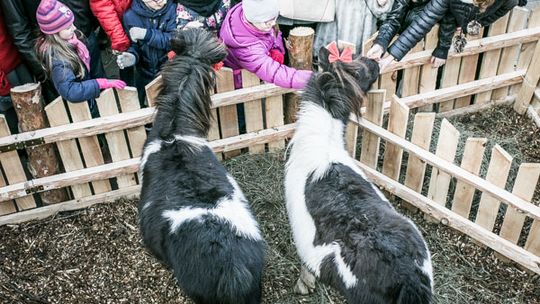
301,288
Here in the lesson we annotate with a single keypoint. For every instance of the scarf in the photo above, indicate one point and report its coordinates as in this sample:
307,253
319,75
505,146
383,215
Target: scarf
82,50
204,8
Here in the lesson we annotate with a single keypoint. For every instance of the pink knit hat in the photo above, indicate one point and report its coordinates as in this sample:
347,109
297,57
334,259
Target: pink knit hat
53,16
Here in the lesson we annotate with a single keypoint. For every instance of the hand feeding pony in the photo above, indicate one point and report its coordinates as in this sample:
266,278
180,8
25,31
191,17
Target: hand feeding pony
346,232
193,216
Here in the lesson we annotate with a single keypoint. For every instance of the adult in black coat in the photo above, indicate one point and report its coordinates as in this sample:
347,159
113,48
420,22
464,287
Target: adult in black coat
20,17
484,12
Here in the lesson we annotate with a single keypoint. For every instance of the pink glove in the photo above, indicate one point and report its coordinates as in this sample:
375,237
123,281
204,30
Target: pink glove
277,56
104,83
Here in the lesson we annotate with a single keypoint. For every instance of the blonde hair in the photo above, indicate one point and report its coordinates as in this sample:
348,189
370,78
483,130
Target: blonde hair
53,48
483,4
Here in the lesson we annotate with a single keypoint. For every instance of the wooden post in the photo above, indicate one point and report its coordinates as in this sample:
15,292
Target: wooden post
421,136
228,118
42,159
532,77
428,74
300,57
467,72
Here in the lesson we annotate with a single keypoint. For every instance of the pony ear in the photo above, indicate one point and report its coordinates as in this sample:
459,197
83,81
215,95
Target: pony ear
323,58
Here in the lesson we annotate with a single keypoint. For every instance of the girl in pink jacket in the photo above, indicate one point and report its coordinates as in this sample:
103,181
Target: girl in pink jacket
256,45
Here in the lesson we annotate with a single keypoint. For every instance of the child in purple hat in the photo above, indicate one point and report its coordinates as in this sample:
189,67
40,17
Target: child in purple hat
66,58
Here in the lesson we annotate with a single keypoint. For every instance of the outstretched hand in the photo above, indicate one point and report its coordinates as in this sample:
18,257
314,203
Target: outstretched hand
436,62
137,33
110,83
375,52
125,59
385,62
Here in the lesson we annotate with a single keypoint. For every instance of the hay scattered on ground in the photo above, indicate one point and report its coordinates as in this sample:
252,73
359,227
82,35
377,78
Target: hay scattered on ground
95,256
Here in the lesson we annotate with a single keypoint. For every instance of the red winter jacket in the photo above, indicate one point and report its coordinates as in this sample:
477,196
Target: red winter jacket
110,13
9,57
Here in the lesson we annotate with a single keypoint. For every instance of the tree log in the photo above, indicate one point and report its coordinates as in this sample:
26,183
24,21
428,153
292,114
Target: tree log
301,58
42,160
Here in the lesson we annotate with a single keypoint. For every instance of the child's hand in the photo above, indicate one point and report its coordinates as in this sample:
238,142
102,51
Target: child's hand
385,62
124,60
437,62
277,56
375,52
110,83
137,33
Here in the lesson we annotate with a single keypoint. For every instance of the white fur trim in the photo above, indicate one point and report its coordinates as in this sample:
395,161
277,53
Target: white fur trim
153,147
231,209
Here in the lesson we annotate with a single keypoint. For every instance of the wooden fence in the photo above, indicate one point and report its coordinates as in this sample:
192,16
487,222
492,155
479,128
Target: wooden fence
100,156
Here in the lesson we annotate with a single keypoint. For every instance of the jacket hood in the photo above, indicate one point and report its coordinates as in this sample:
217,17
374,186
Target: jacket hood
237,32
141,9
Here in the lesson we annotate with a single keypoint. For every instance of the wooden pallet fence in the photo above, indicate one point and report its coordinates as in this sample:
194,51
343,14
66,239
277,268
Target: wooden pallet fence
397,124
428,74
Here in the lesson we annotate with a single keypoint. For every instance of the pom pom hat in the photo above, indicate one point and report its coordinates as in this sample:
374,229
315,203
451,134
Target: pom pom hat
53,16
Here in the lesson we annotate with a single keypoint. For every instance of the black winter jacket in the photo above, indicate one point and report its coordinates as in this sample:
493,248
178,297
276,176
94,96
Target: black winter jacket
435,10
20,17
403,13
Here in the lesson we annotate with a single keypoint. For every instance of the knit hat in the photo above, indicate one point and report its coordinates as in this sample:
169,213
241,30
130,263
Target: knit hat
53,16
260,10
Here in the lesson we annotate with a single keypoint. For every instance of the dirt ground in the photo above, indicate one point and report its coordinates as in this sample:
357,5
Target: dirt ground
95,255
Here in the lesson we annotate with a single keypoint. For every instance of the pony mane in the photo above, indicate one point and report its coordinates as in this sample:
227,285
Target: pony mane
341,86
184,102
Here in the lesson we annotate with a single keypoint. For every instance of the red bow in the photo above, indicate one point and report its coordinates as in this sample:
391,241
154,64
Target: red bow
346,55
217,66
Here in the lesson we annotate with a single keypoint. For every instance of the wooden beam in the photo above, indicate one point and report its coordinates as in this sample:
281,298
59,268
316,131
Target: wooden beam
472,48
449,218
247,94
452,169
533,115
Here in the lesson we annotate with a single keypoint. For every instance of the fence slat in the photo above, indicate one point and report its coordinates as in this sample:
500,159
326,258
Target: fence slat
129,102
397,124
527,49
533,240
447,143
524,187
411,76
471,161
490,59
89,145
69,153
228,117
467,72
450,78
13,169
116,140
428,75
275,118
252,110
374,113
421,136
499,168
6,207
509,55
152,91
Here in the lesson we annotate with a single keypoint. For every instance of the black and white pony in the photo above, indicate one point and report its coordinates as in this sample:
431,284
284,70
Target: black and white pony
193,216
346,232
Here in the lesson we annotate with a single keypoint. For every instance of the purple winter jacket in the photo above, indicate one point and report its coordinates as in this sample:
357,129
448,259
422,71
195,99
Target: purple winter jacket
250,49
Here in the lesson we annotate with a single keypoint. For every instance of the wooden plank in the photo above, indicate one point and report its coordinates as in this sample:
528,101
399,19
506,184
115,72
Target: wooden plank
275,118
397,124
530,82
421,136
524,187
152,91
6,207
499,167
128,101
447,143
228,117
447,217
253,110
527,49
411,76
90,148
428,74
533,240
490,59
509,55
374,113
68,150
467,72
471,161
465,89
14,170
533,115
450,78
116,140
457,172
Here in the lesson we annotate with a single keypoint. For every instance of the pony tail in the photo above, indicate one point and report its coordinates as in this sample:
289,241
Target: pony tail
199,44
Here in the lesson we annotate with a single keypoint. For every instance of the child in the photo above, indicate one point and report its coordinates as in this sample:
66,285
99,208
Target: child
469,15
348,26
66,58
201,14
150,24
256,45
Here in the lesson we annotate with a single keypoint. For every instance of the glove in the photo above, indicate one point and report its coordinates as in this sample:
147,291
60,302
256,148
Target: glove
125,59
110,83
137,33
277,56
